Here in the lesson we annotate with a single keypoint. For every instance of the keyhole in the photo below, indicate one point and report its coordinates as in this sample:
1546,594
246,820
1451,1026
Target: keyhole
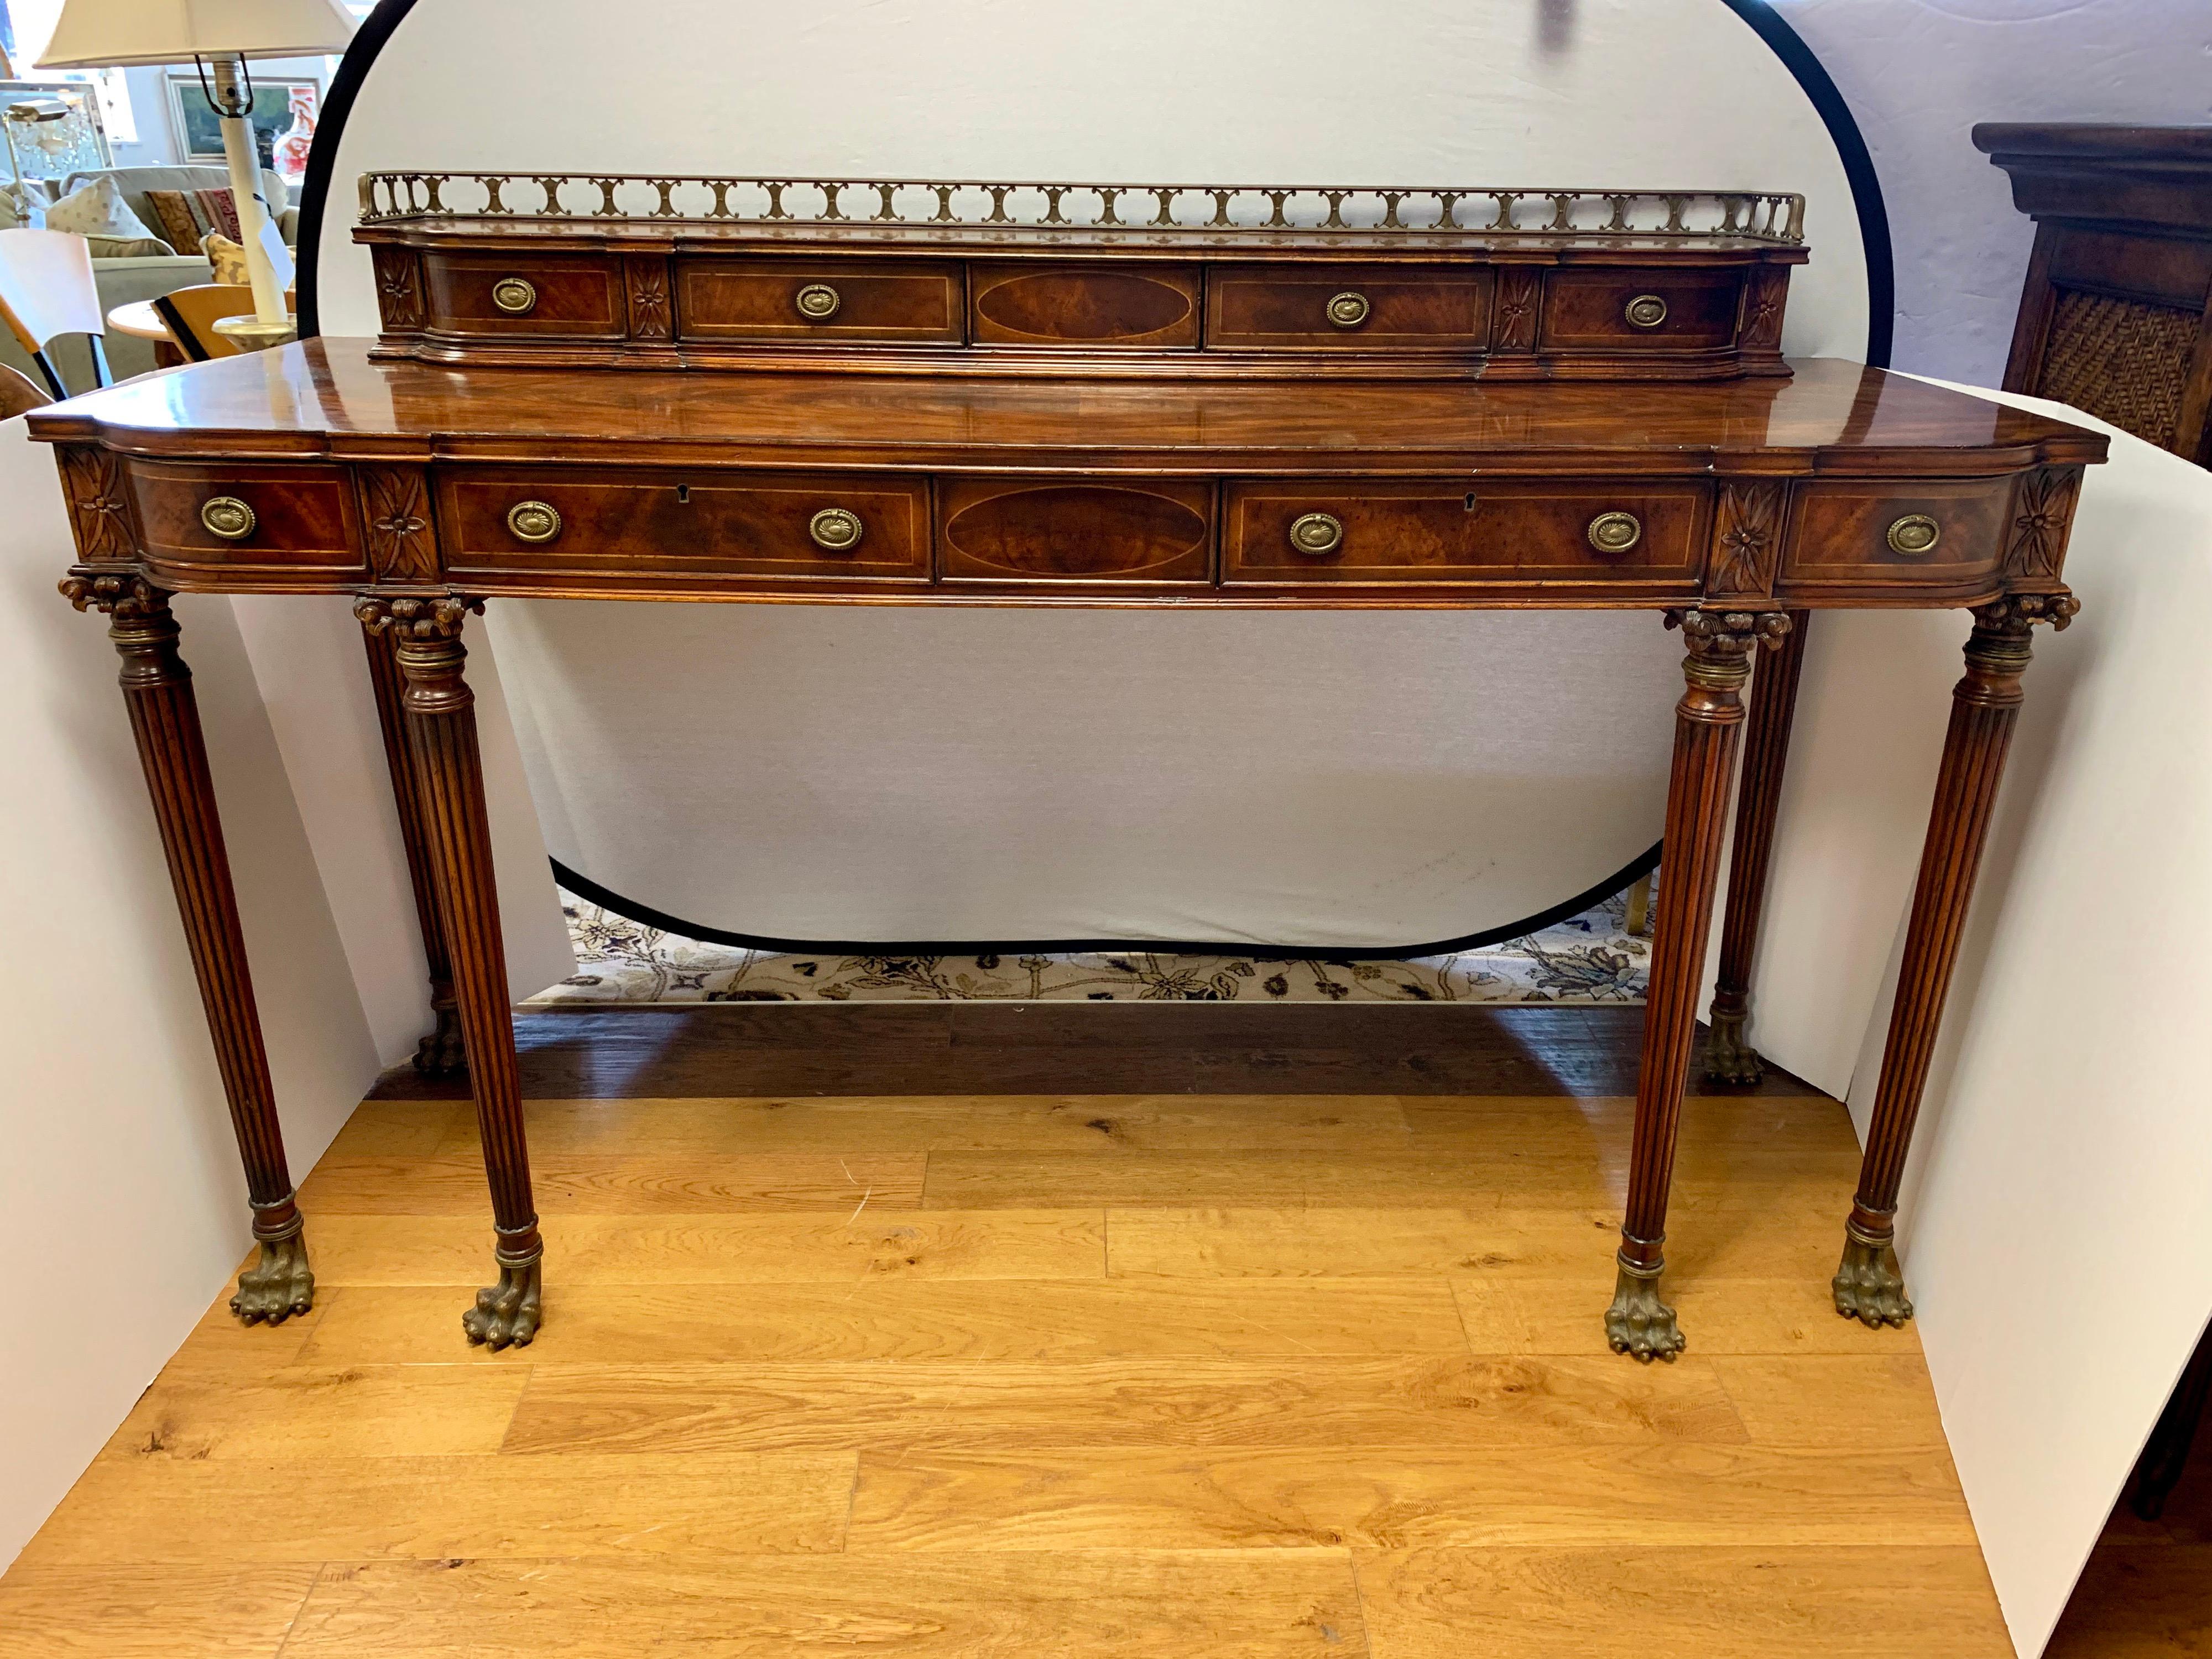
1470,500
683,495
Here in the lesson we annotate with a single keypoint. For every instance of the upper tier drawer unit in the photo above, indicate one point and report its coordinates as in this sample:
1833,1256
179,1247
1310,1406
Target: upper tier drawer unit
1071,280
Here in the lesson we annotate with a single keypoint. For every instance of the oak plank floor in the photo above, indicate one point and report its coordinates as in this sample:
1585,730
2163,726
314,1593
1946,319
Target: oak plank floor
934,1344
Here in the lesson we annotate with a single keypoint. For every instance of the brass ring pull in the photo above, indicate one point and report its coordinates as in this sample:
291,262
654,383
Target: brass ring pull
1645,311
534,521
515,295
818,302
227,516
1914,534
834,529
1316,534
1348,310
1615,532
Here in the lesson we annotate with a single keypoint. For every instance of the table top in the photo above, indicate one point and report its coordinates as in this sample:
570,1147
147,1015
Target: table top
330,397
138,318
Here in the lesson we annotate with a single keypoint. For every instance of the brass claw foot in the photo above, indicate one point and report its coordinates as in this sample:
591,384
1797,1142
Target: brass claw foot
279,1284
508,1312
440,1052
1869,1285
1639,1323
1729,1058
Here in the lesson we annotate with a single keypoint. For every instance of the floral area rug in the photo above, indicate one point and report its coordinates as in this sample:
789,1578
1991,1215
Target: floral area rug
1591,957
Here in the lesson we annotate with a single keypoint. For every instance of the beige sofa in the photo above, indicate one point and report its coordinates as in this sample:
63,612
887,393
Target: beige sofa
142,277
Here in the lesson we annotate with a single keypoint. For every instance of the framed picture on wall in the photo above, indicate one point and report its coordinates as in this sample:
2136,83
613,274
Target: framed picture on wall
284,120
76,142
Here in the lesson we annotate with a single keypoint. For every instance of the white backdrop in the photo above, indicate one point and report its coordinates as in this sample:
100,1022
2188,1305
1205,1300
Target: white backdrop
946,775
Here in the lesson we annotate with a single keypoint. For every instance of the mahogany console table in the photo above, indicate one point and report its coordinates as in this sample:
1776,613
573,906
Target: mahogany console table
634,395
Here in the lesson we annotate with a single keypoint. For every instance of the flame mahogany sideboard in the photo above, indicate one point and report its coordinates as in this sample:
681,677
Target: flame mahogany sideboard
1016,395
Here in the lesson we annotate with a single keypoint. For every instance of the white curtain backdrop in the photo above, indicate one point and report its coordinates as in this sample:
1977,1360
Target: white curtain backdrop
939,774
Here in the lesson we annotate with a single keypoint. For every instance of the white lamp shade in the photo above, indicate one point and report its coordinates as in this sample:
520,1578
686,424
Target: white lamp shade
106,33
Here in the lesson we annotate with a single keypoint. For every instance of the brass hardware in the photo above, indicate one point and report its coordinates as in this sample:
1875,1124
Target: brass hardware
1262,212
1615,532
1316,532
515,295
534,521
835,530
227,516
1645,311
1914,534
1348,310
818,302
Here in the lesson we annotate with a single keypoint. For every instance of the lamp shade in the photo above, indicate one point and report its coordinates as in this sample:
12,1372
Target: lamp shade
106,34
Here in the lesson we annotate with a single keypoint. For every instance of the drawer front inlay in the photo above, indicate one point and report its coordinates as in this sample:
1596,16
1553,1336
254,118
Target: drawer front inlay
1650,310
1259,307
297,519
572,296
1150,306
629,521
1031,531
1848,535
801,299
1460,531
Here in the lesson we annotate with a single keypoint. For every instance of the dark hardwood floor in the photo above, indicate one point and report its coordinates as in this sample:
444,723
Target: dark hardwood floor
1002,1047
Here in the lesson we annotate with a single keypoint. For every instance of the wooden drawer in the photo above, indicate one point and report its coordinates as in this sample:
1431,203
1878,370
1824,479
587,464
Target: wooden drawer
828,300
1073,530
1454,530
1849,535
1347,307
300,519
560,295
1600,310
1134,305
632,521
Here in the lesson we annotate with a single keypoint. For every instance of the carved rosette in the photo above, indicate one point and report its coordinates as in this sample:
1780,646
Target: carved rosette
1747,539
649,317
100,509
399,286
1519,288
124,597
395,505
439,617
2043,511
1765,292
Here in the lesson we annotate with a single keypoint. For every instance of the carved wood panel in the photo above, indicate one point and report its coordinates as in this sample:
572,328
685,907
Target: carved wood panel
1520,290
650,318
395,505
1765,292
399,286
1747,539
2043,512
100,507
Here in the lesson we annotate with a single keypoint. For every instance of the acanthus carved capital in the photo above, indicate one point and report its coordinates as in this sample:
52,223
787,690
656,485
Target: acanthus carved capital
438,617
124,595
1729,633
2016,613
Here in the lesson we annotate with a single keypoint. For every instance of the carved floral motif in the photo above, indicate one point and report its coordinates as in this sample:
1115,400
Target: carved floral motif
1768,288
2042,511
400,545
100,510
1747,539
648,300
1518,287
398,291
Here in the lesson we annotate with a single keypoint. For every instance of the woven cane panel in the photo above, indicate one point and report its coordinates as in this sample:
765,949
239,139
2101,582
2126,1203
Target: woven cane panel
2121,359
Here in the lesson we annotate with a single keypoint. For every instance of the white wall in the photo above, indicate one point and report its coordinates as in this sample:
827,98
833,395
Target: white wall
1918,74
123,1210
2056,1223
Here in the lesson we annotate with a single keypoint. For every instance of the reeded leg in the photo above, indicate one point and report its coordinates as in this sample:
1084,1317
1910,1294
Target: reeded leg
441,738
165,716
1868,1284
440,1052
1728,1057
1707,723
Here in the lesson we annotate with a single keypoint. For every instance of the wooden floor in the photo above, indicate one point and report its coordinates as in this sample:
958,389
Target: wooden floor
1208,1374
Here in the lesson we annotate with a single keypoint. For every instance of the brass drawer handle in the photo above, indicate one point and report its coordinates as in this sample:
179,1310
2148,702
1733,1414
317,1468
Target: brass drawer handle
818,302
515,295
1316,532
1645,311
835,530
1348,310
1615,532
534,521
1914,534
227,516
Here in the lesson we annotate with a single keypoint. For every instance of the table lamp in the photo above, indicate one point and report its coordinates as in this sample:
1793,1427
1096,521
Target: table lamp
219,36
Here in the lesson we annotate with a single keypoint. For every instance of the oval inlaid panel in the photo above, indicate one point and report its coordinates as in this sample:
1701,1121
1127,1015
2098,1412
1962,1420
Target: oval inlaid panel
1074,530
1091,307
